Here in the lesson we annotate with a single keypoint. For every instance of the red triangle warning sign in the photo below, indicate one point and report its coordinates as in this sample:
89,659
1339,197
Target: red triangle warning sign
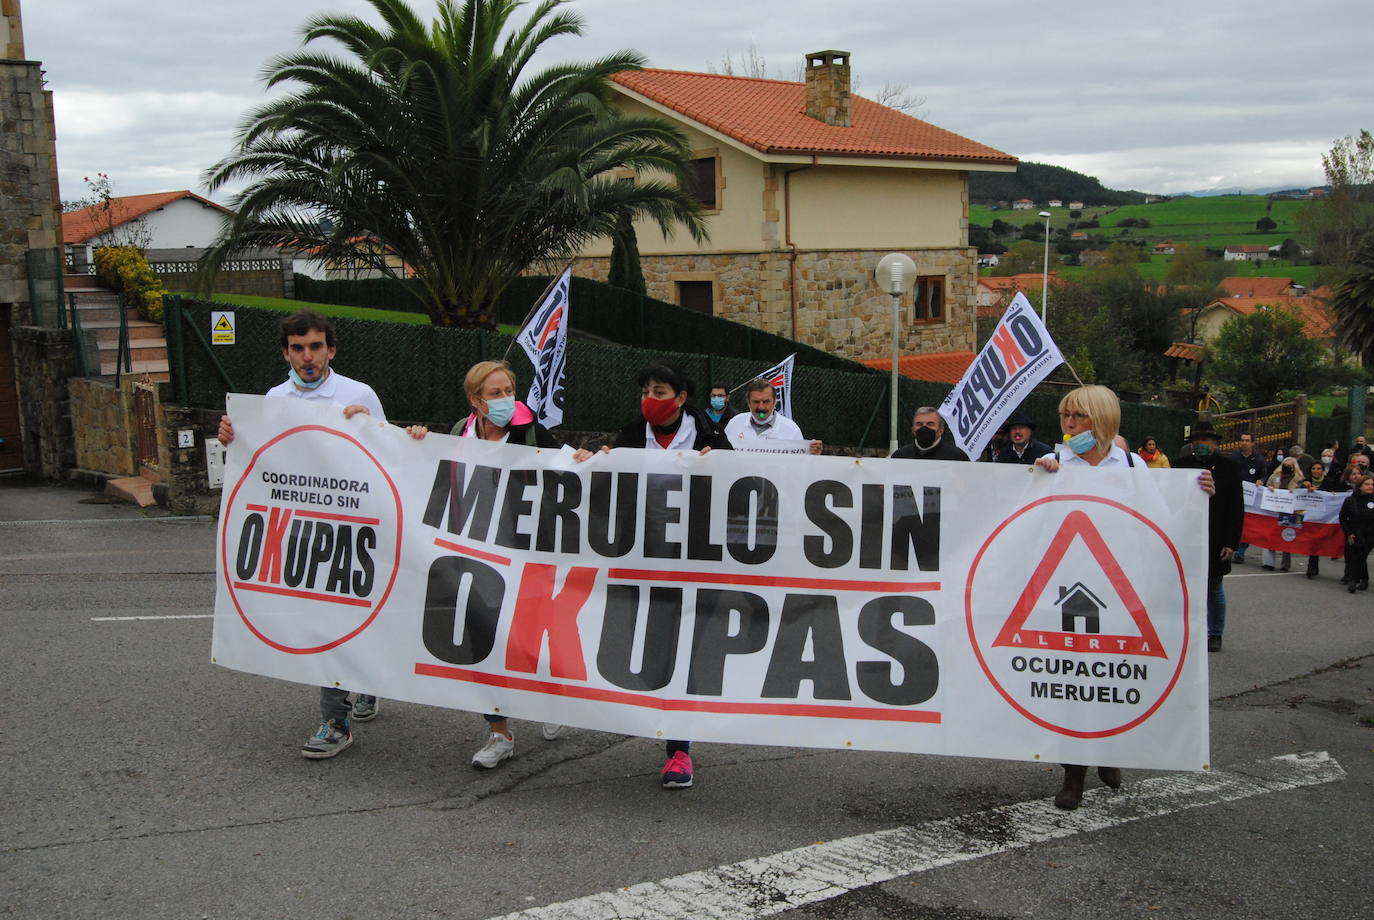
1015,635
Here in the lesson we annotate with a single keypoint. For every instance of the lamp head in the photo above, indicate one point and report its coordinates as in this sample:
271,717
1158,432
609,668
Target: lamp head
896,273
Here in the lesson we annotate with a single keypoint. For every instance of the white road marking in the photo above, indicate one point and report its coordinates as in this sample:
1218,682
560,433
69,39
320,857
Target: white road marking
170,616
772,884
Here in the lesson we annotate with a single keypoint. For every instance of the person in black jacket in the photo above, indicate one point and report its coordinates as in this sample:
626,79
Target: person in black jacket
1357,520
930,442
668,421
718,410
1252,466
1021,446
1225,518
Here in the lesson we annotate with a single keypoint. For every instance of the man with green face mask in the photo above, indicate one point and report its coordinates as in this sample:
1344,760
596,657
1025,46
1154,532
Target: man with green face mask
1225,518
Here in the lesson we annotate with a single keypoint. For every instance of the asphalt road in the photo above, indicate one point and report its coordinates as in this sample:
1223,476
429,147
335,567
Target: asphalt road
139,780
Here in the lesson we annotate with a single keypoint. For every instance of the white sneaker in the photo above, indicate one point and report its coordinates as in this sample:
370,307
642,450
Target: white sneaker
497,749
552,730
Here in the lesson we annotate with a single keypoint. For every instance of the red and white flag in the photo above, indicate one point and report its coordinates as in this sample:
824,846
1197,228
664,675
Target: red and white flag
1307,523
545,340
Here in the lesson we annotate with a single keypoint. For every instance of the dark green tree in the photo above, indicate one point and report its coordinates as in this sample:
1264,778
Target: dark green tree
625,270
1352,300
1259,356
428,151
1334,224
1265,224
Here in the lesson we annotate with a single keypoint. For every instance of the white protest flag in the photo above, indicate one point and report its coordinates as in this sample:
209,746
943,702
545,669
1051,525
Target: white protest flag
780,375
1019,355
545,340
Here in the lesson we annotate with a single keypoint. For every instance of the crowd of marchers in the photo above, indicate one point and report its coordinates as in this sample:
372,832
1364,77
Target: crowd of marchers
669,418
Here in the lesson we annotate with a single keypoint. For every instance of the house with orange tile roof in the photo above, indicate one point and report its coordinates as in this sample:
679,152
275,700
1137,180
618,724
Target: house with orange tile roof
1319,322
996,291
1241,286
161,220
805,187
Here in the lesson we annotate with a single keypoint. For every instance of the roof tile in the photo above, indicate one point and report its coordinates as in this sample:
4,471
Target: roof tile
770,116
937,367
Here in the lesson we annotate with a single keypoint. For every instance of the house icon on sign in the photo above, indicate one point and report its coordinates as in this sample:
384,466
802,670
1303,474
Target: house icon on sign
1077,602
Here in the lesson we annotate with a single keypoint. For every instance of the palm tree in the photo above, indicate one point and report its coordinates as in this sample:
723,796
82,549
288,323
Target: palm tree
425,152
1352,300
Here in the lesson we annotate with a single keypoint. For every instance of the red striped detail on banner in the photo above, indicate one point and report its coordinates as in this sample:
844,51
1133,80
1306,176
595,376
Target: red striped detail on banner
597,694
475,553
330,516
772,581
308,595
1311,539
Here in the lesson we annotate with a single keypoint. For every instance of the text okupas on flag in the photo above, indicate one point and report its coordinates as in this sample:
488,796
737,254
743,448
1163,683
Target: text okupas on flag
1019,355
818,601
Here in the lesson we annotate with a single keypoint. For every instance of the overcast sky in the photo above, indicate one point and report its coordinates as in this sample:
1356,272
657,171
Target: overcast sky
1167,96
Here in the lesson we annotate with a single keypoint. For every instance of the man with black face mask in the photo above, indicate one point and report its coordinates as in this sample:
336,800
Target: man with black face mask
931,443
1225,519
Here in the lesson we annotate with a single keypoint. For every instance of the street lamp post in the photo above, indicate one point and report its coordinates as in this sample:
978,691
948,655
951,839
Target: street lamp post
896,273
1045,274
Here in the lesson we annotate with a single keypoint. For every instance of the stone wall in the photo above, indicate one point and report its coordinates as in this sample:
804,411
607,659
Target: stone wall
103,428
29,213
44,360
839,306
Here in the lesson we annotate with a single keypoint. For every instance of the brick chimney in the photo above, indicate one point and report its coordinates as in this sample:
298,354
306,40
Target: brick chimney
827,87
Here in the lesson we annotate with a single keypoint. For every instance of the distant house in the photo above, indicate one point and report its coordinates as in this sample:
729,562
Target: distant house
161,220
1075,205
1165,248
1246,253
1319,323
988,259
1022,204
1241,286
996,291
1079,235
1056,203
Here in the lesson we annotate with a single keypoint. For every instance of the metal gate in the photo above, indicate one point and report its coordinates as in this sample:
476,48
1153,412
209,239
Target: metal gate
145,425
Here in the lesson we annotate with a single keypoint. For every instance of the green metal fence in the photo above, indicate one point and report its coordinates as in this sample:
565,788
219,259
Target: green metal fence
418,371
601,310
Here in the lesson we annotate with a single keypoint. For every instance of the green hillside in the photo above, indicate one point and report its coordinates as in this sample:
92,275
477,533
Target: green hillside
1224,220
1041,182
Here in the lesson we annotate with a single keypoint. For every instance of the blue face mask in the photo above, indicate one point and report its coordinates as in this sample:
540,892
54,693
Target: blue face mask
1082,442
304,385
717,403
501,411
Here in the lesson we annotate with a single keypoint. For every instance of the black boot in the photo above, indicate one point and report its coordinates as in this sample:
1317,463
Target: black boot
1110,776
1312,567
1071,796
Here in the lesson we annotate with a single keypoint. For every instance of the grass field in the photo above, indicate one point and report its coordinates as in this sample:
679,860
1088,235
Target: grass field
327,309
1217,222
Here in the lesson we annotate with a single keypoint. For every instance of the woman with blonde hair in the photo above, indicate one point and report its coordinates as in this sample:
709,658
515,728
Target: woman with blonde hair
1090,417
497,416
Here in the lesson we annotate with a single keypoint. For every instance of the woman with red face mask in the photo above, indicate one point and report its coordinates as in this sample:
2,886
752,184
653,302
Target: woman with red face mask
668,421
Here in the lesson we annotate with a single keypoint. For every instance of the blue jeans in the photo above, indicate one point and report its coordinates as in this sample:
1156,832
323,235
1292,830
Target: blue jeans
1216,606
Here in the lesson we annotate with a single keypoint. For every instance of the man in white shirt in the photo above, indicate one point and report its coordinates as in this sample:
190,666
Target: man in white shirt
762,422
307,344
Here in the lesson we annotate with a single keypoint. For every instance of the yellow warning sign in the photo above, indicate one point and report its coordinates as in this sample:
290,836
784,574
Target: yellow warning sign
222,327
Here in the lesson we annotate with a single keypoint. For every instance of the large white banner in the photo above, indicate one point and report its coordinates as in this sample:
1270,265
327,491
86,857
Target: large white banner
921,606
1019,355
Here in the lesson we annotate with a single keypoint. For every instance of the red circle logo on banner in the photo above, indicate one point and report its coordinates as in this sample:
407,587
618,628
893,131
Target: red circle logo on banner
1077,610
309,557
